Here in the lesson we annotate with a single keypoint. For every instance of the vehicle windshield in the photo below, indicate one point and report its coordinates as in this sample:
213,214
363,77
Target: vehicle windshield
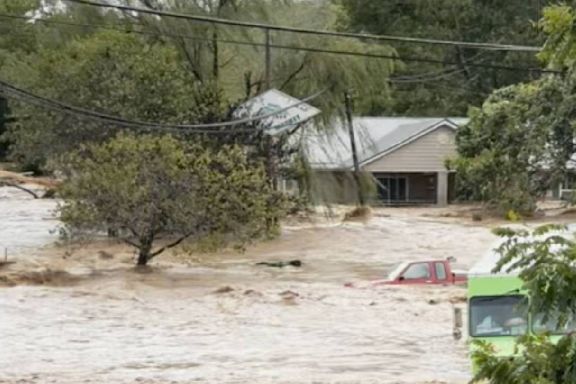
498,316
396,271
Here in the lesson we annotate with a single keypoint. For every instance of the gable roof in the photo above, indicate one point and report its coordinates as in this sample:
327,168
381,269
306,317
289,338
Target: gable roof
375,137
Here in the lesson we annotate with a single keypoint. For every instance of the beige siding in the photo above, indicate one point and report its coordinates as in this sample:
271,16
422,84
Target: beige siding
426,154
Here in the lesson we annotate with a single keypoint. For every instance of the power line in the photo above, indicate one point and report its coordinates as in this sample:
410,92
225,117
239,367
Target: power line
31,98
305,49
217,20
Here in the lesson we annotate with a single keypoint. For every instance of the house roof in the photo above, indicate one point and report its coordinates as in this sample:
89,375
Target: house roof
375,137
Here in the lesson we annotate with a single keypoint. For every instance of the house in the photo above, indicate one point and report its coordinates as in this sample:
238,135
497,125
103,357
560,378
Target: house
405,157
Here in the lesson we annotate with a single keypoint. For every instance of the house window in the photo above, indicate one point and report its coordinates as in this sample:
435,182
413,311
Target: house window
392,189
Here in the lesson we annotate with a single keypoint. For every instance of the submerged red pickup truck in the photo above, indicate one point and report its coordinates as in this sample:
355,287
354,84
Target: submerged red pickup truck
438,272
426,272
432,272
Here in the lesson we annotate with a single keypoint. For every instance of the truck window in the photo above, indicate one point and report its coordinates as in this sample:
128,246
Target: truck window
440,271
498,316
551,325
417,271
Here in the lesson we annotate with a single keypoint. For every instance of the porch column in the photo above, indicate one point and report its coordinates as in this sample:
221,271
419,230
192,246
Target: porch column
442,188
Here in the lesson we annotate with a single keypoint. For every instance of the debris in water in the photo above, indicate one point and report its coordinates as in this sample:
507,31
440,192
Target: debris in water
358,214
289,297
289,294
281,264
251,292
105,255
226,289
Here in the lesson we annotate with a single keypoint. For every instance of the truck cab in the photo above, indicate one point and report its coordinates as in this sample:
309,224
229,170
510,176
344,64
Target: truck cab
432,272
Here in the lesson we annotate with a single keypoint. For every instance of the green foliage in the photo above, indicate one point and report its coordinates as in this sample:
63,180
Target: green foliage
152,189
560,49
519,144
425,89
544,259
240,69
16,36
537,361
111,72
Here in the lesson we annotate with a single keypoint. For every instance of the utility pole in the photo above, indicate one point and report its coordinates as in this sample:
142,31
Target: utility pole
268,60
348,104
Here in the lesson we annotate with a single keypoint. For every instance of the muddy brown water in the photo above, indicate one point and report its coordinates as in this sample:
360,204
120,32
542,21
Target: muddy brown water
272,325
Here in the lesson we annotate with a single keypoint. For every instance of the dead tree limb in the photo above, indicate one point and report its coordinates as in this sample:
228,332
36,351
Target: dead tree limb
18,186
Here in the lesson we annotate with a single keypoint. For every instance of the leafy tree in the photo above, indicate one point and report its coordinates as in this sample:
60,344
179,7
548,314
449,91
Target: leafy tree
240,69
157,190
544,259
521,141
424,89
16,36
111,72
517,146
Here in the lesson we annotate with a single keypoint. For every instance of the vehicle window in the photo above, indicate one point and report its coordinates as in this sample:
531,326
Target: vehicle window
440,271
551,325
498,316
417,271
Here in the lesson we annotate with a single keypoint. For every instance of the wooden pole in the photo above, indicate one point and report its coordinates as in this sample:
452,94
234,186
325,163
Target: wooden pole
348,104
268,60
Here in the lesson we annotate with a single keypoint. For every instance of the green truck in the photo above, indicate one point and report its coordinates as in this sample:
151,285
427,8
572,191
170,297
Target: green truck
497,310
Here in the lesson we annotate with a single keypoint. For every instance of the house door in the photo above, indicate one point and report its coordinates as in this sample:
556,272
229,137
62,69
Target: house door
393,189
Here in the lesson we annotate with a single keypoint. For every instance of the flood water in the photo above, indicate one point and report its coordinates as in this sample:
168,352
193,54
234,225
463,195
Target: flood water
170,326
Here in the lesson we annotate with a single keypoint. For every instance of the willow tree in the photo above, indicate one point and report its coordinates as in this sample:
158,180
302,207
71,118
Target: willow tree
234,57
109,72
156,192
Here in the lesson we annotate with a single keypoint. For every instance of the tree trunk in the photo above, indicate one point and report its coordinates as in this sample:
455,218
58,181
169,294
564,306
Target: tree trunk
145,253
143,259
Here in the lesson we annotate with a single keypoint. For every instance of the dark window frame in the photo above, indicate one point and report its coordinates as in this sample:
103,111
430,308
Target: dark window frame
417,278
470,303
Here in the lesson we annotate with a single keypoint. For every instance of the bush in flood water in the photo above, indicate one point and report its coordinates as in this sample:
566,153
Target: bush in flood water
151,189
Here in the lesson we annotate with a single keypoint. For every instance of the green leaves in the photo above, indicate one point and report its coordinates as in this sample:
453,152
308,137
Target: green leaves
433,89
110,72
152,189
545,259
538,361
517,146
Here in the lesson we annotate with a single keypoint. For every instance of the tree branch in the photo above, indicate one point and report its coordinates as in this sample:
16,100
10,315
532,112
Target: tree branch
295,73
17,186
173,244
129,242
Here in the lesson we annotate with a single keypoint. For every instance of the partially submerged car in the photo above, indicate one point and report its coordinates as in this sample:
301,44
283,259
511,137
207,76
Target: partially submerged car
432,272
